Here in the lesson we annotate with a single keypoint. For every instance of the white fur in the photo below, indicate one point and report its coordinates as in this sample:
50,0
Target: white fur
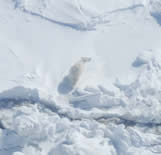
69,82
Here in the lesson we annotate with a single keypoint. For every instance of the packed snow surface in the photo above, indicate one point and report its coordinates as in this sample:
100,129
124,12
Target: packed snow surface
115,106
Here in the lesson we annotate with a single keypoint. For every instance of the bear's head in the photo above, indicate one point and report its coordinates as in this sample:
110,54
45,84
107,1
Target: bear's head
85,59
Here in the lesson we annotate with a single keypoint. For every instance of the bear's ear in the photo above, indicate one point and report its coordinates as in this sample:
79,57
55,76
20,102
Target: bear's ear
86,59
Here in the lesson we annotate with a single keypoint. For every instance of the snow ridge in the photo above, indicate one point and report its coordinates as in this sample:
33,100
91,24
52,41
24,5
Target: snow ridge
84,21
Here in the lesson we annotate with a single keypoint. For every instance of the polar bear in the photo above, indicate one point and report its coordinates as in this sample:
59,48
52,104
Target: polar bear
69,81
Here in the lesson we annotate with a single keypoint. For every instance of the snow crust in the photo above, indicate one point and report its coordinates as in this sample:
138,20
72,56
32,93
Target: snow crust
115,108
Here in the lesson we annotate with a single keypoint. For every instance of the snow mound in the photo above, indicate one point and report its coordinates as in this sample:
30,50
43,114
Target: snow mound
142,59
144,93
20,93
154,7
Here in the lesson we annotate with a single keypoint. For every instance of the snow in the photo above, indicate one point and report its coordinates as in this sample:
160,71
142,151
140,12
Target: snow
114,109
154,9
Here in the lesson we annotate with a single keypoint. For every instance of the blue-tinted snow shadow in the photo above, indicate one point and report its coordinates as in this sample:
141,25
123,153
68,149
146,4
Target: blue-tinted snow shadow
157,17
139,62
18,95
132,7
11,142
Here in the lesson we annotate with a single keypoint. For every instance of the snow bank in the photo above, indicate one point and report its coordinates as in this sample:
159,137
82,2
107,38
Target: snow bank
154,7
144,93
19,93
